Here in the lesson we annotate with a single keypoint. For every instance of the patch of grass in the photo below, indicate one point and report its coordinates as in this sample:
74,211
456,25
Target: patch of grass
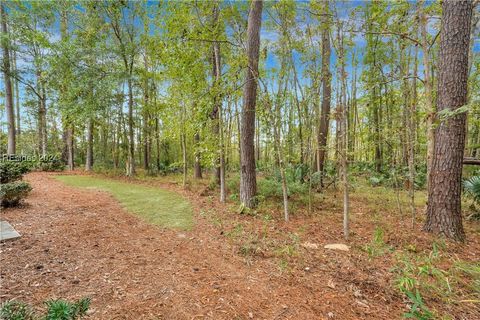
156,206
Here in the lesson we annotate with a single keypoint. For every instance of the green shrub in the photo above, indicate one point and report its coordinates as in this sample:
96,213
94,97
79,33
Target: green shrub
56,310
12,170
11,193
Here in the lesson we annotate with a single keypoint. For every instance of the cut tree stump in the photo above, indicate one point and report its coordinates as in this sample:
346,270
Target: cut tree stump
7,232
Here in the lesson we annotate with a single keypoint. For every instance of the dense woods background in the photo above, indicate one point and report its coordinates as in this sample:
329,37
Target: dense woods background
301,94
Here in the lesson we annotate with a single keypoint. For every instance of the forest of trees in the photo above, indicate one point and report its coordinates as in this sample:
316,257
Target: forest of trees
327,89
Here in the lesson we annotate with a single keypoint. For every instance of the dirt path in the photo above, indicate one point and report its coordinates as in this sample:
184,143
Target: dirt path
78,242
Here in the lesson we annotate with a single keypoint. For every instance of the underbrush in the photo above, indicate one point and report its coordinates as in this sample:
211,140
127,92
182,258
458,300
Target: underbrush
441,278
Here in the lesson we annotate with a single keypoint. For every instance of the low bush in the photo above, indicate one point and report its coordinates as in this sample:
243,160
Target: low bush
12,170
55,310
13,192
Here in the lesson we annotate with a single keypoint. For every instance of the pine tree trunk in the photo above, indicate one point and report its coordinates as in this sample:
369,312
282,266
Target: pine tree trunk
444,216
11,143
131,138
248,181
322,136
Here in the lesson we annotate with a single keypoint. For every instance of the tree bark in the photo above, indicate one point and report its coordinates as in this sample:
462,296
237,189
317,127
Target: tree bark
248,180
444,216
11,144
322,135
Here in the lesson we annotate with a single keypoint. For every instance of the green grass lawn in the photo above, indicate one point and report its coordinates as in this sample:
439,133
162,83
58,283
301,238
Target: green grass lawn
156,206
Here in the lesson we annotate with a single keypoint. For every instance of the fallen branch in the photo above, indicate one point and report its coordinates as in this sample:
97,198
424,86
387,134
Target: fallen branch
471,161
